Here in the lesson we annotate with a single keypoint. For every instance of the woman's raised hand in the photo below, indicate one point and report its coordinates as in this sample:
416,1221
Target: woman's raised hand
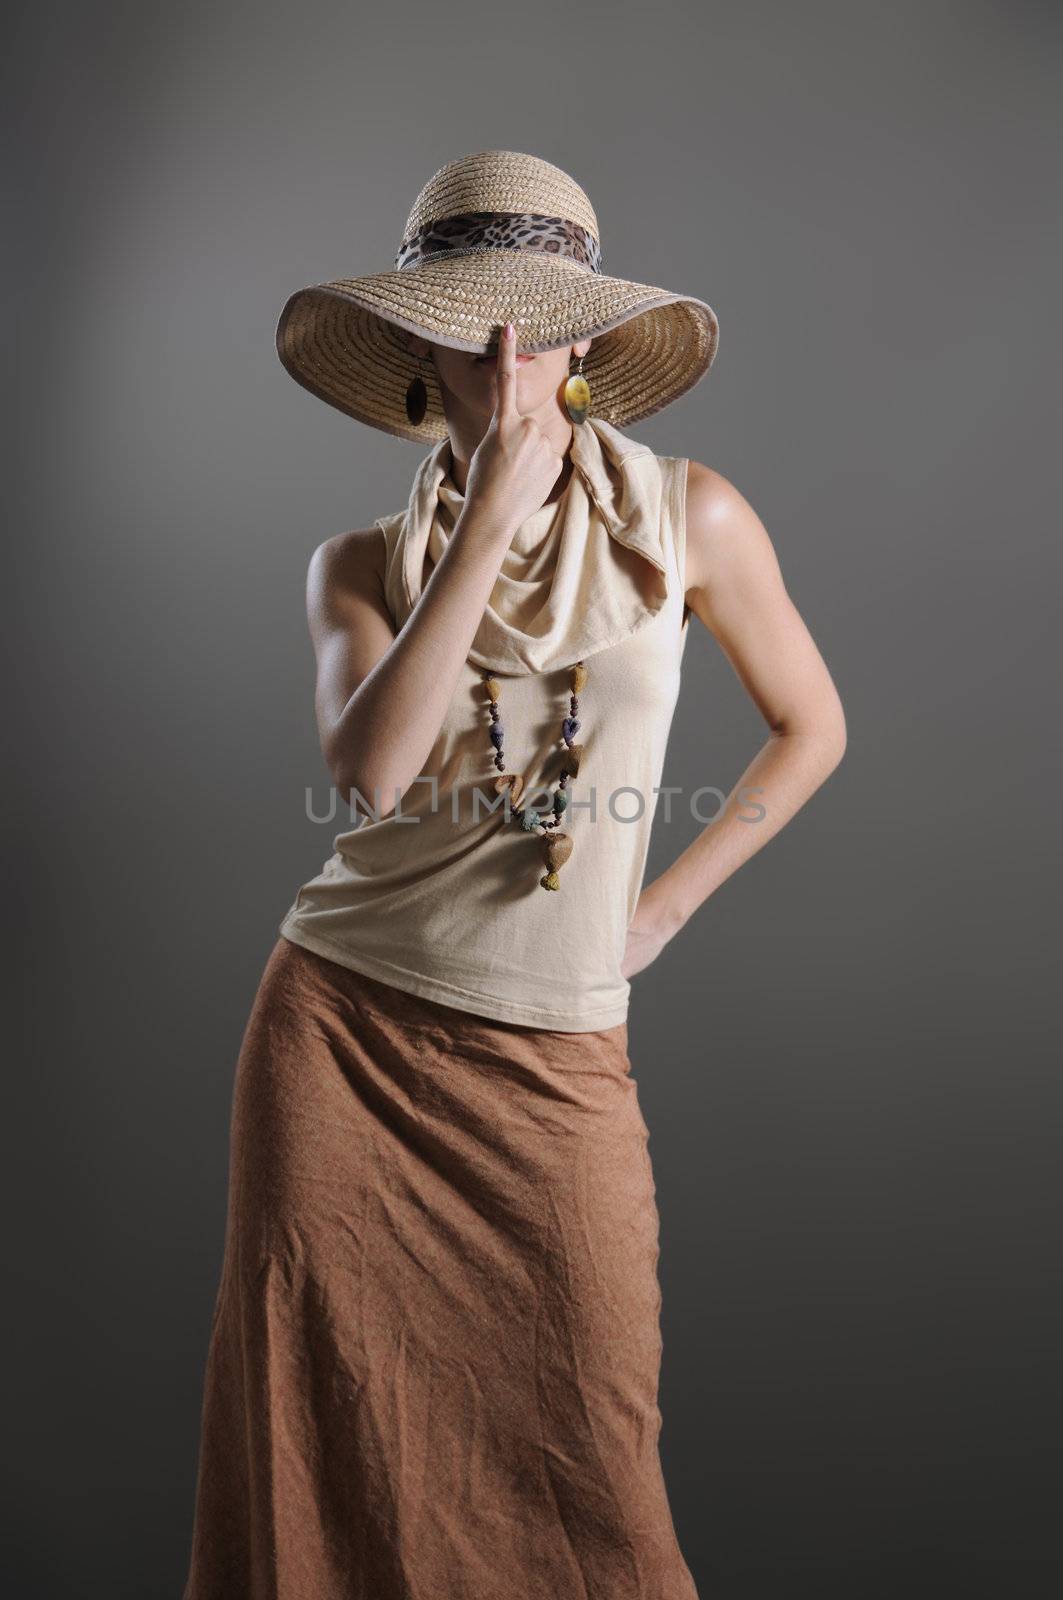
515,465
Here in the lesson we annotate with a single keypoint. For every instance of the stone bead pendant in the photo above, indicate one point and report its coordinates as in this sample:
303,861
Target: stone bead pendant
557,847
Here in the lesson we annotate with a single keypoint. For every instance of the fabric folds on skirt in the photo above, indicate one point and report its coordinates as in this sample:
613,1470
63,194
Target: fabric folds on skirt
433,1365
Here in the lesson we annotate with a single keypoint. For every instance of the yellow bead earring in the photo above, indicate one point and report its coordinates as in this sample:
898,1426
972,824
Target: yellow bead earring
578,395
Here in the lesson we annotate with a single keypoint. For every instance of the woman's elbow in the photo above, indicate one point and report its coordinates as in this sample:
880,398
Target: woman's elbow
820,733
367,793
834,738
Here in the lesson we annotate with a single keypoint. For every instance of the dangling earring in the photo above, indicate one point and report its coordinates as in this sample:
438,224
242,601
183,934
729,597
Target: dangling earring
416,400
578,395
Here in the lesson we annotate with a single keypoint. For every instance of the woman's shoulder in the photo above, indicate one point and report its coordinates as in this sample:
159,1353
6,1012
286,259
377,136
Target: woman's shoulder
708,492
358,547
722,530
353,561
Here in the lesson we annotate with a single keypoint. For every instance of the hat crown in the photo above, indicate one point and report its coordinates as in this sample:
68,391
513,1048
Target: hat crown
500,181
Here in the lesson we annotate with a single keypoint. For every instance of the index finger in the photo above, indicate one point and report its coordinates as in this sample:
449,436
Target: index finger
506,372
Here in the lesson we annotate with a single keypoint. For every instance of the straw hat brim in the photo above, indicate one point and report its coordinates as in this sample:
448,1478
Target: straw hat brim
340,341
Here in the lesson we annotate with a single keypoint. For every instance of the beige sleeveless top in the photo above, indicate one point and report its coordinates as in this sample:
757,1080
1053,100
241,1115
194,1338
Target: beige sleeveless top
441,897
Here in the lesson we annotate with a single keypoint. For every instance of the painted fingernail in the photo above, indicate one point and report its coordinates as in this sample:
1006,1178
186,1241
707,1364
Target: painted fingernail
509,330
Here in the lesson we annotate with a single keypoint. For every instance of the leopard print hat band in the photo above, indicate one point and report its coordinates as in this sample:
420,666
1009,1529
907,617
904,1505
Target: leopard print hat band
501,230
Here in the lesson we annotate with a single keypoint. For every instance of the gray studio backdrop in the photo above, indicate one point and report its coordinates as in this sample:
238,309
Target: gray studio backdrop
844,1058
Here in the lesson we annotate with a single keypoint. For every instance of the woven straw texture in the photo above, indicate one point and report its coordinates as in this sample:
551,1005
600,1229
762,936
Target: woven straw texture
343,340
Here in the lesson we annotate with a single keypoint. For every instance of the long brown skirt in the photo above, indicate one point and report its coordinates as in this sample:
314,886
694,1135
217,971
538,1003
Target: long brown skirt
433,1366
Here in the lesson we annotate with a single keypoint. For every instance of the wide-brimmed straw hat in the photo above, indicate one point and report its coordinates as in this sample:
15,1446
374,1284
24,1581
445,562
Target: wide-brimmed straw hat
494,236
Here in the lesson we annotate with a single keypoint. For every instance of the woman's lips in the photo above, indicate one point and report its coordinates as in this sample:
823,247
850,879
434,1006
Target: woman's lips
522,360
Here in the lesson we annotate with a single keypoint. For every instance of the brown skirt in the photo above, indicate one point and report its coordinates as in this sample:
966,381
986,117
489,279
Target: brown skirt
433,1365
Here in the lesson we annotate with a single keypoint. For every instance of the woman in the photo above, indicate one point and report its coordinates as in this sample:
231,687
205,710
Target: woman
435,1352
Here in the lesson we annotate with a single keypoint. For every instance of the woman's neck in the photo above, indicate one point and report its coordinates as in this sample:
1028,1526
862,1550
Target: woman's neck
466,433
458,471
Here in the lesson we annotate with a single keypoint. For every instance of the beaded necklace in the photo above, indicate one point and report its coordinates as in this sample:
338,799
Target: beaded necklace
557,846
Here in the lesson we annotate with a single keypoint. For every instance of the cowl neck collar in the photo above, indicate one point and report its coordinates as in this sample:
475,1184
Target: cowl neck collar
581,573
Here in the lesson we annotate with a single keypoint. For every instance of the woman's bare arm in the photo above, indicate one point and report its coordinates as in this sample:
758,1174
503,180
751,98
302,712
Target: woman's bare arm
735,588
380,698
